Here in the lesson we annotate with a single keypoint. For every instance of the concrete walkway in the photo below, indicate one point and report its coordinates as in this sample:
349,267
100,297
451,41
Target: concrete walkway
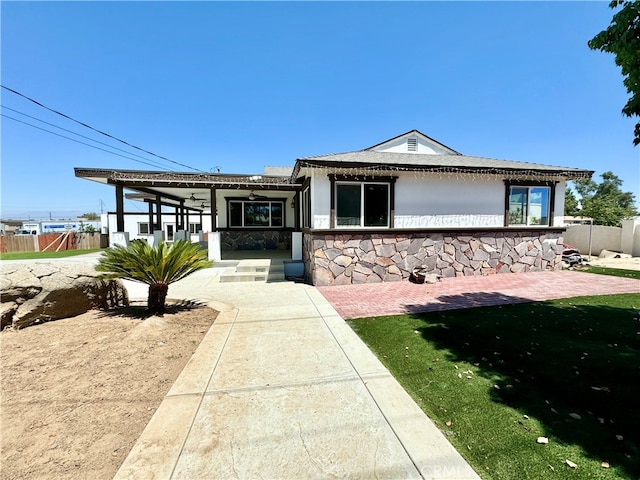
281,388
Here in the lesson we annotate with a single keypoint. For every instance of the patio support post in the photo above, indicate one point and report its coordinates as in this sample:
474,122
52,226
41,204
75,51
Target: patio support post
214,210
158,213
119,208
182,225
392,202
332,211
296,209
151,225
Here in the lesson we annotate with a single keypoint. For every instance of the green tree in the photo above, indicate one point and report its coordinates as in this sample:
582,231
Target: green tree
571,206
622,38
90,216
606,203
157,266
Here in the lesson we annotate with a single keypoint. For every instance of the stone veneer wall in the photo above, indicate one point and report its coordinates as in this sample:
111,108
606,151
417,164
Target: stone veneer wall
340,259
255,240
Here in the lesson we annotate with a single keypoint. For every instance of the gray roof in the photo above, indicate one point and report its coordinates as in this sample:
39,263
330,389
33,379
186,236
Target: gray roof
442,163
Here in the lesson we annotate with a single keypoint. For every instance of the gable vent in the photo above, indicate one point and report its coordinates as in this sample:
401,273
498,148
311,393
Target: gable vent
412,144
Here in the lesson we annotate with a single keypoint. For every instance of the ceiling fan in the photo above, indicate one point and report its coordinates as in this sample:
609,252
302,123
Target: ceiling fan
253,196
193,198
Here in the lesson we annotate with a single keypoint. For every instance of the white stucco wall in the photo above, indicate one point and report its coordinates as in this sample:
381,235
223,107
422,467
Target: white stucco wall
448,202
320,200
558,213
438,201
425,201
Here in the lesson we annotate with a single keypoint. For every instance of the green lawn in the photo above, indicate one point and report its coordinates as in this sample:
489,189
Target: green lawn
494,379
611,271
37,255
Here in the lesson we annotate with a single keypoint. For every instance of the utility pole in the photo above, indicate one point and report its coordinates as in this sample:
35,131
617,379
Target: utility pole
101,207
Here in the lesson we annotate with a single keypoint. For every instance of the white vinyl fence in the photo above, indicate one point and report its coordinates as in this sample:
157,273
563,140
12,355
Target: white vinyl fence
625,239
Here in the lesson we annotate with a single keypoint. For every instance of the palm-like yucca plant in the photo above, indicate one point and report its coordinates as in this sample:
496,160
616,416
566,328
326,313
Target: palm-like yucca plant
156,266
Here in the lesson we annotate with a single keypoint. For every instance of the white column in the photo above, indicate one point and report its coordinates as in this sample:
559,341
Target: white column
180,235
629,236
214,246
158,236
119,238
296,246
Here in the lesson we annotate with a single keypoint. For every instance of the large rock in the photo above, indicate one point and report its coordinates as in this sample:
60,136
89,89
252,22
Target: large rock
38,292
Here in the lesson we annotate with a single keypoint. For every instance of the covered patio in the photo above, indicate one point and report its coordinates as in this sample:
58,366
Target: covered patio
234,216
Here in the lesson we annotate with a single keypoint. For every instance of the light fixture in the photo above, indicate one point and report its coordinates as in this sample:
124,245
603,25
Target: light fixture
252,196
293,202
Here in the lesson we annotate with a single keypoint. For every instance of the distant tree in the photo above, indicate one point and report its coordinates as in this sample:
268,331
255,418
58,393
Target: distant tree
571,206
622,38
90,216
605,202
89,229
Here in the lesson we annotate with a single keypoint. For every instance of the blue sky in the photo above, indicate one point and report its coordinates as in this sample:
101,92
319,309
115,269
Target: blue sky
242,85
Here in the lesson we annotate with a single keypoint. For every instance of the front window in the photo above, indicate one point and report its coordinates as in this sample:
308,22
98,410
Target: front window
529,205
362,204
195,227
262,214
143,228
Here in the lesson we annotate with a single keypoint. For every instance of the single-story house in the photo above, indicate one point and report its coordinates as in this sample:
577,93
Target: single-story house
370,215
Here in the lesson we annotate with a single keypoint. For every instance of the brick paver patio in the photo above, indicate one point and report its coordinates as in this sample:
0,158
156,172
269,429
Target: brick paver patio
370,300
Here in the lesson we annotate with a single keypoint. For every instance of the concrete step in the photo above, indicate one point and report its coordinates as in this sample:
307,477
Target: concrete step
276,277
259,265
243,277
254,270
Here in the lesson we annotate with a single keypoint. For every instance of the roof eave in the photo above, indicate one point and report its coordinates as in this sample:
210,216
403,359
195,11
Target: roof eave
566,174
143,177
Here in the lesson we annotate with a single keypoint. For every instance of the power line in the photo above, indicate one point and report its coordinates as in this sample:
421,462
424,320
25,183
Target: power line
80,135
96,130
82,143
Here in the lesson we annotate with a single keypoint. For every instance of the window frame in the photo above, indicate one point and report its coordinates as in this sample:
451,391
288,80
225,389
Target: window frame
529,185
305,199
269,200
362,183
140,232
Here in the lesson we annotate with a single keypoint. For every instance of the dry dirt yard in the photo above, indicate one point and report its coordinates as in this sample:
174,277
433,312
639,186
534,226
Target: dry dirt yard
628,263
77,393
